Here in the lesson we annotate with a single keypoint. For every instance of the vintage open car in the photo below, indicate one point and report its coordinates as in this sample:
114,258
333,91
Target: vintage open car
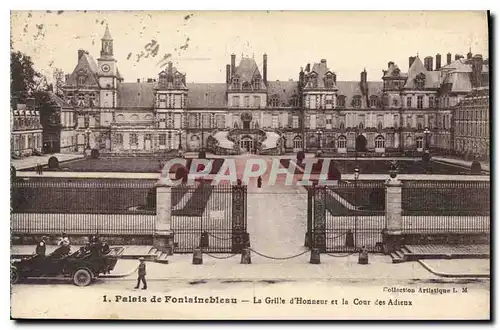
82,266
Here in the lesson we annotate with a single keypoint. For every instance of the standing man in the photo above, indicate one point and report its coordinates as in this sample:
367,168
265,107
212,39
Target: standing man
141,274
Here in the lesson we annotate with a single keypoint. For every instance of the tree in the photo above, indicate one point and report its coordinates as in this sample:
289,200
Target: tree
24,79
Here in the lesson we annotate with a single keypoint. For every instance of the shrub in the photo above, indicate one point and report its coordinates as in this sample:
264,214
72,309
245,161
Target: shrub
53,162
426,157
94,153
475,167
202,154
300,156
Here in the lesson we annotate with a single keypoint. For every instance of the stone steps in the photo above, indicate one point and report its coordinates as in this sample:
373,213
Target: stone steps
441,251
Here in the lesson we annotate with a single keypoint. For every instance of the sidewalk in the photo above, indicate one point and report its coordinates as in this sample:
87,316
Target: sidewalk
32,161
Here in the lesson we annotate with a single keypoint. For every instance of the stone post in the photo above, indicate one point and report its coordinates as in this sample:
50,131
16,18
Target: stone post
163,239
393,217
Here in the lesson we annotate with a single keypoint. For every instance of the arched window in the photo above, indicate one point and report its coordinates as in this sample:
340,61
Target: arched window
379,142
120,118
134,118
341,101
274,101
297,142
81,80
373,101
342,142
356,101
420,142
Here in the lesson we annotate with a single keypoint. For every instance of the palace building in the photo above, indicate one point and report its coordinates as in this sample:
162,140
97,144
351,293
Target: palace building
407,110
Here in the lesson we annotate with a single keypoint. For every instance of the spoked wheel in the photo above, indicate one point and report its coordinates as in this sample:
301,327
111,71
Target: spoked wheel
82,277
14,275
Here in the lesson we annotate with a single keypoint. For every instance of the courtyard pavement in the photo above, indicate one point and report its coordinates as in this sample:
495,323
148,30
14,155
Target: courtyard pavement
32,161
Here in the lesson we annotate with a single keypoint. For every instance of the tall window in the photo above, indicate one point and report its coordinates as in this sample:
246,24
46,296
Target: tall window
163,139
295,121
341,142
256,101
246,101
294,101
236,101
420,143
81,80
133,139
373,101
92,100
341,101
297,142
329,82
395,121
379,142
119,138
256,83
356,101
81,100
408,101
431,101
236,83
420,102
275,123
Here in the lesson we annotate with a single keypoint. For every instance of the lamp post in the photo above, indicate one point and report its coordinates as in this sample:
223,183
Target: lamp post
426,134
179,131
87,132
356,177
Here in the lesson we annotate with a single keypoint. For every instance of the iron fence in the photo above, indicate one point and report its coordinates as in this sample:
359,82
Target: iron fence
446,206
83,207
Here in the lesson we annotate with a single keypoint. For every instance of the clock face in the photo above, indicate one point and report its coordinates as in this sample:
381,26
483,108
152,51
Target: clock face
105,67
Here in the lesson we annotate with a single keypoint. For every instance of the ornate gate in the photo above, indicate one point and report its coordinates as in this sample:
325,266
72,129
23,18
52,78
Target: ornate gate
346,217
213,218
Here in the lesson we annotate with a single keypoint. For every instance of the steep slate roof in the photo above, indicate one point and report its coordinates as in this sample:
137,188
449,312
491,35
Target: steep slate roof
432,78
461,65
458,82
320,69
352,88
88,63
60,102
284,89
247,69
390,72
140,95
206,95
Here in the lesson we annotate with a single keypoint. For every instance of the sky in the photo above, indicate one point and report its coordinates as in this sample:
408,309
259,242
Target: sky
201,43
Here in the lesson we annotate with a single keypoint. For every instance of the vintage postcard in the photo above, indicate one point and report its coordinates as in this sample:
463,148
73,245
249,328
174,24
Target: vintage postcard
322,165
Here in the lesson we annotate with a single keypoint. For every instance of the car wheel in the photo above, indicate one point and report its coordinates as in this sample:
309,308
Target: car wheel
14,275
82,277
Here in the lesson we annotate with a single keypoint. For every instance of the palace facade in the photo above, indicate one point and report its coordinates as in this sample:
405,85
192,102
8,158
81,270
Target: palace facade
408,110
25,128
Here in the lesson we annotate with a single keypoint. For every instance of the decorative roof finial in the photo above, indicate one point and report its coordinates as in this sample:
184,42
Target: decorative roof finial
107,35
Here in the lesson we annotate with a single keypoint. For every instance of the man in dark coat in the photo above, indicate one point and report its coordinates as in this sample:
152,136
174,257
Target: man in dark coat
41,248
141,274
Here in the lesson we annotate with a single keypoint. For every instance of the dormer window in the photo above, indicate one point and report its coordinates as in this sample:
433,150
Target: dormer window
92,100
314,82
178,81
356,101
373,101
236,83
341,101
162,79
81,100
294,101
420,81
256,83
81,80
329,81
274,101
246,86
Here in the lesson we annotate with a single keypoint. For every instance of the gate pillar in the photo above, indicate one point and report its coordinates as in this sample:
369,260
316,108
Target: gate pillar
163,238
238,218
308,238
391,235
319,219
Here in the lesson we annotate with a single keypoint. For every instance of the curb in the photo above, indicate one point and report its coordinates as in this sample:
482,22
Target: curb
454,275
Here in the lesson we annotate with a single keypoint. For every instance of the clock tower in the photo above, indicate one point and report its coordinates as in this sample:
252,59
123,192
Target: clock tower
107,72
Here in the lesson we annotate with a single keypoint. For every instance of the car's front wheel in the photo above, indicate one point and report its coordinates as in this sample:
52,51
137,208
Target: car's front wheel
14,275
82,277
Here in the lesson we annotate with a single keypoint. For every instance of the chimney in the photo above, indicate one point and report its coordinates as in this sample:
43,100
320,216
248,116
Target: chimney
233,63
228,73
364,82
66,77
469,54
448,58
30,103
389,64
308,67
170,67
438,61
334,78
264,69
81,52
429,63
477,69
13,102
138,80
411,59
323,60
458,56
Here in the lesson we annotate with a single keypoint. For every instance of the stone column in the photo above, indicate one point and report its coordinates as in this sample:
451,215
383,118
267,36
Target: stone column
393,216
164,237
